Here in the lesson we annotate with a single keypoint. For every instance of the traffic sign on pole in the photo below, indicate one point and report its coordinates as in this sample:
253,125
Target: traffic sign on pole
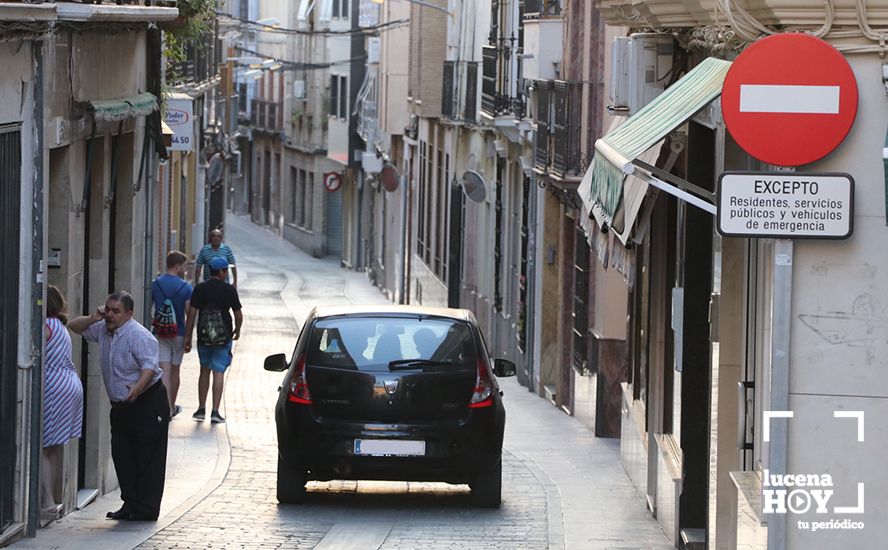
789,99
785,205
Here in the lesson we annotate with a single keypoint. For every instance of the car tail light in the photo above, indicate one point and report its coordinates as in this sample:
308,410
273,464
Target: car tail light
483,396
298,387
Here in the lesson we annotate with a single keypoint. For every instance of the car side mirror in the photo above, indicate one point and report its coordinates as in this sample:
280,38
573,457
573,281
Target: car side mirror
503,368
276,363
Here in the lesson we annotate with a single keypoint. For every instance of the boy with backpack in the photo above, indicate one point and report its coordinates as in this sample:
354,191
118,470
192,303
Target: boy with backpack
172,296
211,302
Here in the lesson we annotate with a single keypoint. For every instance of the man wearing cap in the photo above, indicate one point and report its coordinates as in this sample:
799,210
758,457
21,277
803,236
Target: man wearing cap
212,300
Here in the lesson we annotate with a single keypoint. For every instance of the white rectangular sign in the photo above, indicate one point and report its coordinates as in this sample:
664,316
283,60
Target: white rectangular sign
755,98
179,116
786,205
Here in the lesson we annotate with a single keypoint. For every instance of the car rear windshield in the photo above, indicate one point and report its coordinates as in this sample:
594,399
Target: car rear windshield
393,343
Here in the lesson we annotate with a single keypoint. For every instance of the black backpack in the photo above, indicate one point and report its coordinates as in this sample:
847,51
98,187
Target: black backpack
164,322
211,330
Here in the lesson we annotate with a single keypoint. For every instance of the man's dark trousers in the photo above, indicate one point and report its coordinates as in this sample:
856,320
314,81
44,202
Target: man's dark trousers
139,433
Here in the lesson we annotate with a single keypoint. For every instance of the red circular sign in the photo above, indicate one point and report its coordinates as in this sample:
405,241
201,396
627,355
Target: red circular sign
332,181
789,99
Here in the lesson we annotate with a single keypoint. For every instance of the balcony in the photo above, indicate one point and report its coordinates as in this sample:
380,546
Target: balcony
266,116
199,65
675,13
541,9
558,138
496,97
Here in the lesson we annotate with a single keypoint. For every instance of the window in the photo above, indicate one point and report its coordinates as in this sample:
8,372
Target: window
334,95
498,236
340,8
294,194
439,210
421,210
343,97
370,344
309,200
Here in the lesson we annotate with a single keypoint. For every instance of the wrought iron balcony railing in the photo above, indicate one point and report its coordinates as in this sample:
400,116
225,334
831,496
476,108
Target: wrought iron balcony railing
559,129
200,63
266,116
496,99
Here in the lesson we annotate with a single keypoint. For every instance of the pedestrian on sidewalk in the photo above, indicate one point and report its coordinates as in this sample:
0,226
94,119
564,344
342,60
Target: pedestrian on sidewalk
62,398
211,302
169,322
140,408
215,249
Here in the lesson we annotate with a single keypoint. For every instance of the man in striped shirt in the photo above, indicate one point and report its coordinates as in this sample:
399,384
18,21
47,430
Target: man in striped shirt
216,249
140,408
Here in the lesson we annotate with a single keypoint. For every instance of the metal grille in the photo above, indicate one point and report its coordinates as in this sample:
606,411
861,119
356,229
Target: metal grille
471,91
488,79
448,97
10,203
334,223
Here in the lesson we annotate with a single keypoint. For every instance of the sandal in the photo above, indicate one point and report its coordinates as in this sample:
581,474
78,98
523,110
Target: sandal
177,411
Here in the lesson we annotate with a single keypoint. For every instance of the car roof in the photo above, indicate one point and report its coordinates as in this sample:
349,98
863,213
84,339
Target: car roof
393,310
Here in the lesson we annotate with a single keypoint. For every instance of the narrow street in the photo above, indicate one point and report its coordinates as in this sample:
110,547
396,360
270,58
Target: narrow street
562,488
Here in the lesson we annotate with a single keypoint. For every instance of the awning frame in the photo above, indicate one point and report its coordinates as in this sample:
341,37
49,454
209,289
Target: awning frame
618,150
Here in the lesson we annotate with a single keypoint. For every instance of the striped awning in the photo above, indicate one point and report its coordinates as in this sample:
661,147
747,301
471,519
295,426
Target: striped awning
615,152
121,109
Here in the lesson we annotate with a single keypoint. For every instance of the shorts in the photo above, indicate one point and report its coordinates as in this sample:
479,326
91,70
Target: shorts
172,350
217,358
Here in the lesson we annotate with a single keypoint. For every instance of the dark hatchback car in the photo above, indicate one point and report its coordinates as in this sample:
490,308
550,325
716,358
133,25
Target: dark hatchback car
395,393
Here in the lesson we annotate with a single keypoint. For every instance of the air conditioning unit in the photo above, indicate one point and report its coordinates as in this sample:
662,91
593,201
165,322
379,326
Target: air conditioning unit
373,49
299,89
640,70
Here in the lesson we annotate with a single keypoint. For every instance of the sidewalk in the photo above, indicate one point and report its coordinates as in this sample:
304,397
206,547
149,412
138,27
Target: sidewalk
563,488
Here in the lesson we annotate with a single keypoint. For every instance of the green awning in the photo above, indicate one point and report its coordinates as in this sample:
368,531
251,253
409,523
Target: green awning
615,152
120,109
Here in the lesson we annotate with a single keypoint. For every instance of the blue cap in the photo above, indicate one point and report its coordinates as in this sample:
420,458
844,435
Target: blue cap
218,263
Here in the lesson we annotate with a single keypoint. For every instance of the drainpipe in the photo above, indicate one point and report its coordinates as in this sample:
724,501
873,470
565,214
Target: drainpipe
149,236
36,370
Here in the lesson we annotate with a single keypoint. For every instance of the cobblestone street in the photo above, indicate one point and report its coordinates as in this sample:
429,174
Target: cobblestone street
562,488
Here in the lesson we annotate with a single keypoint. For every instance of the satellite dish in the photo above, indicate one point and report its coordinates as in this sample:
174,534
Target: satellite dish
214,170
473,186
389,177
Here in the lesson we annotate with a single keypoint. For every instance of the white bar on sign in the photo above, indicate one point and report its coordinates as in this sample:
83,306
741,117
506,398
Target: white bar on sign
755,98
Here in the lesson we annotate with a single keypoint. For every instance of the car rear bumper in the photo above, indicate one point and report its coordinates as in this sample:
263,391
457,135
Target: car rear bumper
454,451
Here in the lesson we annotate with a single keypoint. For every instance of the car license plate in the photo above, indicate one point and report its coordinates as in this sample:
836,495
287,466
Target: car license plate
389,447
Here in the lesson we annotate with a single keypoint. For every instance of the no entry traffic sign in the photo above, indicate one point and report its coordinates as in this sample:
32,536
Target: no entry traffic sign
789,99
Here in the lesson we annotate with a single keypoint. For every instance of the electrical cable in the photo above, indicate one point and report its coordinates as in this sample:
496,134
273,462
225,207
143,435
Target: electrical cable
298,65
281,30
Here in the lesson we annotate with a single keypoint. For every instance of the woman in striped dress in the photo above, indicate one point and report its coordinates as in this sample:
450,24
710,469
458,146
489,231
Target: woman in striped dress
63,395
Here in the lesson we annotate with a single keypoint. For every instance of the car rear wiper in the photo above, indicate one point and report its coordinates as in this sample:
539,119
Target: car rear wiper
410,364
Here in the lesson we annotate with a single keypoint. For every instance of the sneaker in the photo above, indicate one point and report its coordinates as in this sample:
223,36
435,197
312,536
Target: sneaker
216,418
199,414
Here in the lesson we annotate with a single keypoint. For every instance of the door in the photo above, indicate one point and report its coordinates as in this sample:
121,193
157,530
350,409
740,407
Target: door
10,195
334,222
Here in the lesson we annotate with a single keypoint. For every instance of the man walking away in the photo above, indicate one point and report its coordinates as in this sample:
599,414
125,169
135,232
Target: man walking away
216,249
140,410
169,321
211,302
